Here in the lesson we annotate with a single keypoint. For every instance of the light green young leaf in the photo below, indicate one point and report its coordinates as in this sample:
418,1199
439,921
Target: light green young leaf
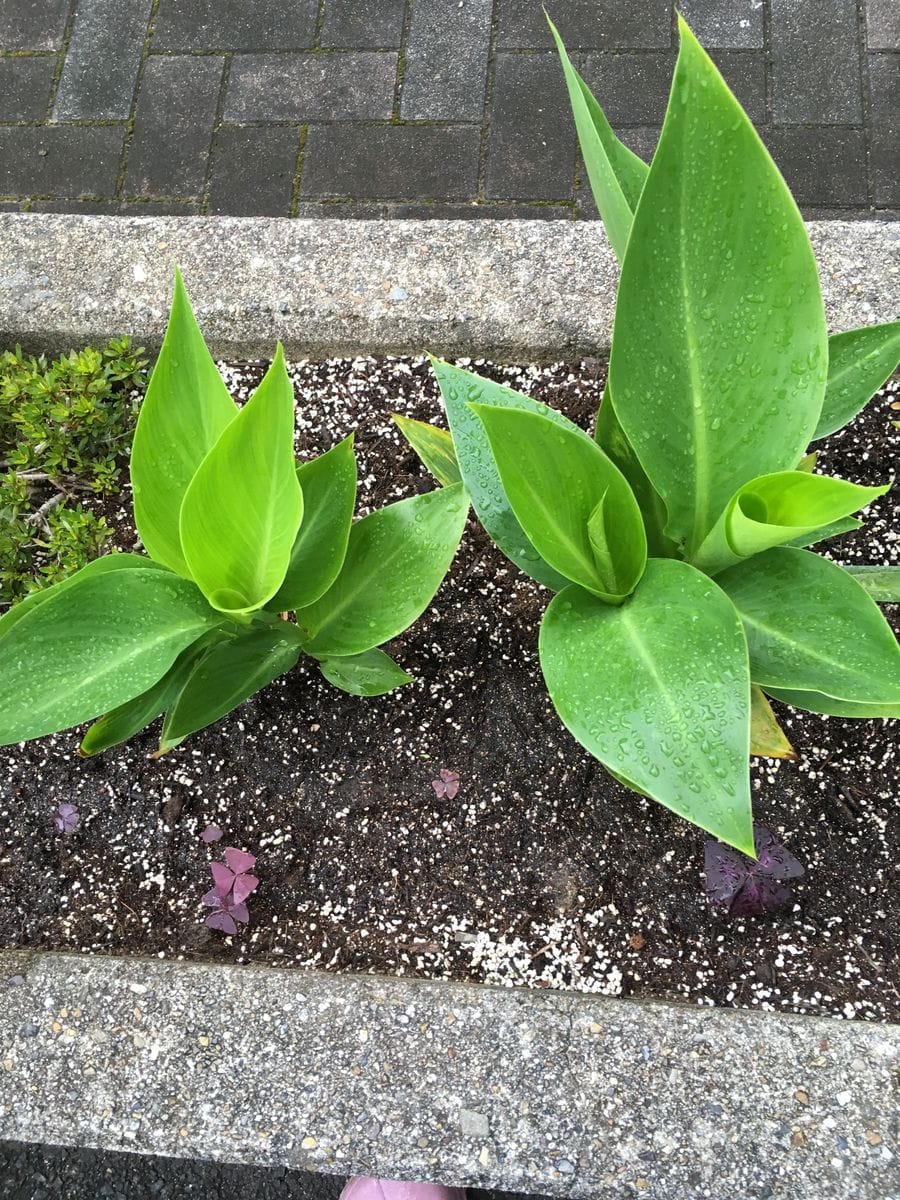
719,351
227,675
616,174
859,362
396,560
243,507
184,411
328,485
817,703
372,673
574,505
777,509
833,529
881,583
658,689
459,389
811,628
434,446
100,640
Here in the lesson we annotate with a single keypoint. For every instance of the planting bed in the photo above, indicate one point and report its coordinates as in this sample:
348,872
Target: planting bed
540,870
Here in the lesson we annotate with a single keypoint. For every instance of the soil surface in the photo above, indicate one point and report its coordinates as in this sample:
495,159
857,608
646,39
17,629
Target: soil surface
541,870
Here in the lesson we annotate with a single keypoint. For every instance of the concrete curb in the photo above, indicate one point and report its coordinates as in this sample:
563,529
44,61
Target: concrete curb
557,1094
507,289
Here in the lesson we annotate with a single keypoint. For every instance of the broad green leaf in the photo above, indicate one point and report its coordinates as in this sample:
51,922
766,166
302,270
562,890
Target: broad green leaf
328,485
817,703
98,566
434,446
97,642
573,503
134,715
616,174
611,439
371,673
243,508
396,560
881,583
811,627
719,351
459,389
228,675
658,689
859,362
775,510
185,409
767,738
834,529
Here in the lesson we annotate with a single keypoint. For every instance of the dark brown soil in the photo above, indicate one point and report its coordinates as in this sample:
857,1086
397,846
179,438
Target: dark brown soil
541,871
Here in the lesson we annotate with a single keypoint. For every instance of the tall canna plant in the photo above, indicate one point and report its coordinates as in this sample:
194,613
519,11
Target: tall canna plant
675,537
238,535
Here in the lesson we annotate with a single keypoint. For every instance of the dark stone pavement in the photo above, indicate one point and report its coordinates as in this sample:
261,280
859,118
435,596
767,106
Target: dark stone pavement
445,108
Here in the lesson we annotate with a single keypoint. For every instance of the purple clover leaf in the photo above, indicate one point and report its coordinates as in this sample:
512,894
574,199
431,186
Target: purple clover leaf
232,884
212,833
748,888
66,818
447,783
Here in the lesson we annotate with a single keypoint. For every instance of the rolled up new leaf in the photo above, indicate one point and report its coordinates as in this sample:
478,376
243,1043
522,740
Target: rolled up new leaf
719,353
658,689
859,362
396,560
811,628
372,673
94,642
573,503
243,507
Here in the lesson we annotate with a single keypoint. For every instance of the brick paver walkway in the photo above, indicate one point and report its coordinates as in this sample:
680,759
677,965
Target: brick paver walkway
416,107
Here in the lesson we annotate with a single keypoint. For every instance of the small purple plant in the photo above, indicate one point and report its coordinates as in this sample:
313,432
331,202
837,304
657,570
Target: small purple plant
66,818
212,833
747,888
447,783
232,884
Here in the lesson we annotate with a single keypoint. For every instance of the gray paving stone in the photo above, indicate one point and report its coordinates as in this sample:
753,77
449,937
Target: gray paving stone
235,24
252,172
633,89
726,24
387,162
32,24
745,73
363,25
884,146
84,207
822,165
586,24
531,145
25,87
883,24
54,160
159,208
355,85
815,62
102,61
173,126
446,60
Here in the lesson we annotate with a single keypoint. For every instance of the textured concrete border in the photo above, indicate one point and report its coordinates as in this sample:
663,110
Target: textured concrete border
567,1095
509,289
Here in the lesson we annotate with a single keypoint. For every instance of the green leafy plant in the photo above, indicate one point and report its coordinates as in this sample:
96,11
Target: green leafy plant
237,534
675,536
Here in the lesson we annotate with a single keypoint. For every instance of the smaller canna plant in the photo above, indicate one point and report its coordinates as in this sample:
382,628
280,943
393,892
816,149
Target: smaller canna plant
676,535
237,535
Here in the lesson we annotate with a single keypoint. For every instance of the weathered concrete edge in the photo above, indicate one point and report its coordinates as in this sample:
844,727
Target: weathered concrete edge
526,290
552,1093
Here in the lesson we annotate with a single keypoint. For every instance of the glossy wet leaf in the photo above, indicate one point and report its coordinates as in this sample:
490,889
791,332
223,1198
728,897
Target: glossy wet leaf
774,510
881,583
459,389
811,627
616,174
859,362
92,645
824,532
396,560
817,703
227,675
372,673
328,485
719,353
185,410
241,513
589,527
767,738
658,689
434,447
